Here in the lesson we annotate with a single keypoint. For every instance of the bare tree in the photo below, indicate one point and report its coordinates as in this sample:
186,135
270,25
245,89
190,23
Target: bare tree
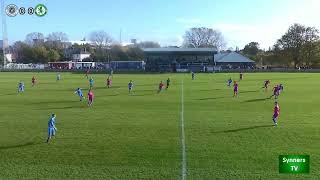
56,40
34,38
204,38
58,36
100,38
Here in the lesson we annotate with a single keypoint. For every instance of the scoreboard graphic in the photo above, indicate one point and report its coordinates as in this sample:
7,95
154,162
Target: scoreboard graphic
39,10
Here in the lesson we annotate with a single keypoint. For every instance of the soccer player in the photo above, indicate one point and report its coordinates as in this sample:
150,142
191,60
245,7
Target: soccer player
130,86
21,87
58,76
168,83
276,113
111,72
241,76
33,81
193,75
91,81
229,82
51,127
266,84
281,88
160,87
275,92
109,82
90,97
79,93
235,89
87,73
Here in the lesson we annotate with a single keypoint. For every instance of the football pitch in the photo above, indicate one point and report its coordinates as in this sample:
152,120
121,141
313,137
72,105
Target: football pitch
139,135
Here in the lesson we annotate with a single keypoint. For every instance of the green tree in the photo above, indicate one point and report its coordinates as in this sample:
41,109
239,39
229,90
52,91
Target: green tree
135,53
310,48
118,53
251,49
53,55
1,58
40,55
292,42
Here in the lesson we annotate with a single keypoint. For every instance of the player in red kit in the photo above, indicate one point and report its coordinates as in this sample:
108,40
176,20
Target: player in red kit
90,97
276,113
235,89
161,85
275,92
109,82
33,81
266,84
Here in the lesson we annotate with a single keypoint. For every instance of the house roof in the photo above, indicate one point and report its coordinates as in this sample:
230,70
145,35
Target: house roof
231,57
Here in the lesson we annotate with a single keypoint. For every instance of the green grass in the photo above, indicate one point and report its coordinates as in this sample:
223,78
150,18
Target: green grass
137,136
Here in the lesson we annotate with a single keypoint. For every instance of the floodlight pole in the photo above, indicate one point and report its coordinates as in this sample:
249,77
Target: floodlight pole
4,33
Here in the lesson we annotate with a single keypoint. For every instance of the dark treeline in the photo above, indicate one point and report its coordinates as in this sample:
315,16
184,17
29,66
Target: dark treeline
298,47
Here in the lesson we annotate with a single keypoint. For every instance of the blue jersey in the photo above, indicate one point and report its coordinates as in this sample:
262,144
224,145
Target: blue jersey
229,81
79,92
130,85
91,81
52,122
21,85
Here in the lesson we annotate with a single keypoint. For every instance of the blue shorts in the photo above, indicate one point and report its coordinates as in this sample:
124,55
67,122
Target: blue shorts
275,116
51,132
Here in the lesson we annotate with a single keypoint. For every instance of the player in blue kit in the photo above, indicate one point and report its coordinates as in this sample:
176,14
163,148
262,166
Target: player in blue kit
79,93
91,81
58,76
51,127
130,86
193,76
21,87
229,82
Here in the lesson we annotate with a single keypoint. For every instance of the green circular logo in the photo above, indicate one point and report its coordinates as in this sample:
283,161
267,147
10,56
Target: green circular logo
40,10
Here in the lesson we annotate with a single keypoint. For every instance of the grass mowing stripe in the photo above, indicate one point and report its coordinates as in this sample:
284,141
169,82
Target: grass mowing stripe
183,142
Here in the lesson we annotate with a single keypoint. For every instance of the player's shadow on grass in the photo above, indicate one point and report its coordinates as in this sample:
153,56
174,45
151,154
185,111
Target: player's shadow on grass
112,87
147,85
9,94
55,102
57,108
112,95
256,100
242,92
202,99
146,94
20,145
243,129
210,89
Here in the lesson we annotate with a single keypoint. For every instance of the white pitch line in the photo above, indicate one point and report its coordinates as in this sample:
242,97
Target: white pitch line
183,141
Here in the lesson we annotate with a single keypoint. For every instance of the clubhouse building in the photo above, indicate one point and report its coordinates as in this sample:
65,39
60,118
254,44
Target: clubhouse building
193,59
